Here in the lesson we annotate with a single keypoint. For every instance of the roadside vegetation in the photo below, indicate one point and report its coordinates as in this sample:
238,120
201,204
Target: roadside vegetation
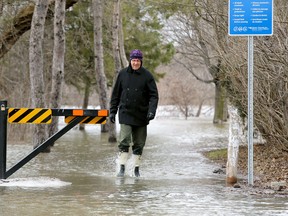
268,168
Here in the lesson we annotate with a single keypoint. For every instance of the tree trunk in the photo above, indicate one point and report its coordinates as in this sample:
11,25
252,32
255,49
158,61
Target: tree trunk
235,138
1,7
21,23
85,100
99,57
199,108
58,62
220,107
36,66
116,57
115,38
124,60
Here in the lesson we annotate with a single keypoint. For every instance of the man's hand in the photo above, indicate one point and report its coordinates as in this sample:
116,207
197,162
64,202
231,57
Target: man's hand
150,116
112,117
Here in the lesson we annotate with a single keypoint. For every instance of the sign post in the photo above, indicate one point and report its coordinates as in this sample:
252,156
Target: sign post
250,18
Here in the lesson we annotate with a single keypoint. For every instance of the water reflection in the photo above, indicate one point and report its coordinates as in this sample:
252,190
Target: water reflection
175,178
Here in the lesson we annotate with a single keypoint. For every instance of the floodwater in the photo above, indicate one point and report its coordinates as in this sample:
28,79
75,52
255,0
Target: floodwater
78,177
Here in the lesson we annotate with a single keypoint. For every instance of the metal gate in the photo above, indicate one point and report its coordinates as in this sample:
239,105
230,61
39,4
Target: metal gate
41,116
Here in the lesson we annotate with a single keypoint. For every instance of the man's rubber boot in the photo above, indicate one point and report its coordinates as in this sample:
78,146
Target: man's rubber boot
123,157
122,171
136,172
137,160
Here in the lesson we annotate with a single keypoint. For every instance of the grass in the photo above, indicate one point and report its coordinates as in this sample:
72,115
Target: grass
216,155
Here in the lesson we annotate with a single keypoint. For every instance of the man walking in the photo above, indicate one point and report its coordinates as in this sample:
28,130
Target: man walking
135,98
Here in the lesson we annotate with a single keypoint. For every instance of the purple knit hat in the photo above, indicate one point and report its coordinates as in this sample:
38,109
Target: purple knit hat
136,54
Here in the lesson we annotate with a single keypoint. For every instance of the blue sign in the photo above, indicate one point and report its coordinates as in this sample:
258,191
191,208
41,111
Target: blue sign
250,17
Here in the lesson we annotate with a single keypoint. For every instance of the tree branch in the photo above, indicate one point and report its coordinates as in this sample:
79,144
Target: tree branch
21,23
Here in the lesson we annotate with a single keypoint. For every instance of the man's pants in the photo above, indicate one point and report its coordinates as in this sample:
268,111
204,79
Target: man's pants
138,135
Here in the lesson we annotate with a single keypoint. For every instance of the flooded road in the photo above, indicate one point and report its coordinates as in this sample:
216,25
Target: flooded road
78,177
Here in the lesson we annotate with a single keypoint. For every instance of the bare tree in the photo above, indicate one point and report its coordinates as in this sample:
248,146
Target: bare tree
58,61
197,28
116,57
270,80
99,56
36,65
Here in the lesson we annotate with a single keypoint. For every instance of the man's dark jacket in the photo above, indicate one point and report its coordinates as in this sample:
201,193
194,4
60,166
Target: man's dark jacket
135,94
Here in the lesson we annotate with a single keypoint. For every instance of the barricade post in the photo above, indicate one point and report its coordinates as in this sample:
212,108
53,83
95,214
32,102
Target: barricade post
3,138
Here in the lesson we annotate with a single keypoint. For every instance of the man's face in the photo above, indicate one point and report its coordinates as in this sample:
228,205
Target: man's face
136,64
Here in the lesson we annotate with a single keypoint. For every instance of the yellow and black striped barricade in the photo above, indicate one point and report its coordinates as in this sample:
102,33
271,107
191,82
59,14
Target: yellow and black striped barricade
26,115
41,116
44,116
92,116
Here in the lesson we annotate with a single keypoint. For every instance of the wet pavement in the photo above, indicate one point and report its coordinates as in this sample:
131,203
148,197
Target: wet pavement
78,177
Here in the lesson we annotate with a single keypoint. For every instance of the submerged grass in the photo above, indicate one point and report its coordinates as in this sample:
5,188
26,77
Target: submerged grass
219,155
